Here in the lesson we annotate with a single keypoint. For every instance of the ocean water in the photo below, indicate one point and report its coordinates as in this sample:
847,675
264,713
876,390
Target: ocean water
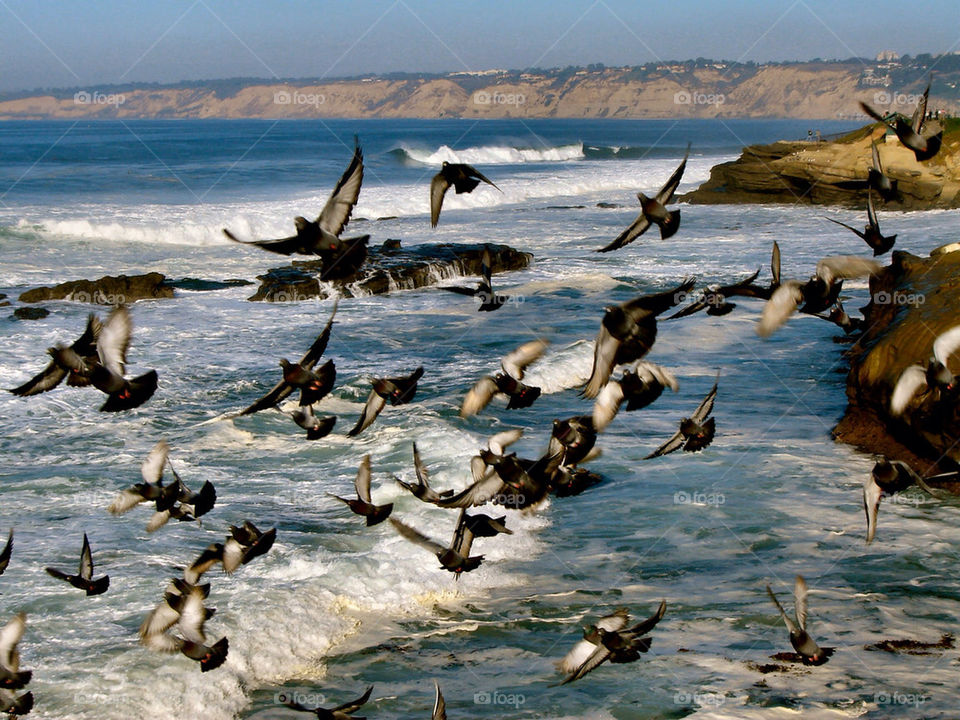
335,606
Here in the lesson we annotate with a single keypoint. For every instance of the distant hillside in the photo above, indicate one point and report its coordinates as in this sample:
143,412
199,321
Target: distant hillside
698,88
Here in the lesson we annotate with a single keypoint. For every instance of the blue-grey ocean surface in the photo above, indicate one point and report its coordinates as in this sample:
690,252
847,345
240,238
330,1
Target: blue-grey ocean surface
335,607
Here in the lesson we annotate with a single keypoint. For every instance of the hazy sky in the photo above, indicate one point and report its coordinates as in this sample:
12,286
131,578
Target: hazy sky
61,43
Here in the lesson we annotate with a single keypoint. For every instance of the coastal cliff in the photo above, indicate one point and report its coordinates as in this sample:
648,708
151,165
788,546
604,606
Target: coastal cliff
835,173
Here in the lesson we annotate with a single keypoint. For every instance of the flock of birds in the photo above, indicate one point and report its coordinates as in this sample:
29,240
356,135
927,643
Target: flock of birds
626,335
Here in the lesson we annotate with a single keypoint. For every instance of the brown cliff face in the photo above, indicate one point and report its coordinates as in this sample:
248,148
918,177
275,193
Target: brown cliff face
711,90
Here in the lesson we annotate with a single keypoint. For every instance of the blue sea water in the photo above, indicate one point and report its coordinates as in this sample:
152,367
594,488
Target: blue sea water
335,607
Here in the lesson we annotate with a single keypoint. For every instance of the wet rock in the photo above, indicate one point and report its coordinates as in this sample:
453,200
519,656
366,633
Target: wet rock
108,290
30,313
387,270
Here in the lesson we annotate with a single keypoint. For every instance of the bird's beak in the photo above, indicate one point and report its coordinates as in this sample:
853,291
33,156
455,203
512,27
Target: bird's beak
871,506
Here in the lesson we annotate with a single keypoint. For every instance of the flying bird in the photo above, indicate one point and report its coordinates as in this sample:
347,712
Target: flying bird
106,373
322,236
507,381
421,489
653,211
935,382
486,484
610,639
574,439
244,543
313,385
817,294
871,234
84,577
809,652
464,179
911,133
627,332
439,705
340,712
185,612
638,387
396,391
889,477
696,431
150,490
489,300
456,557
316,427
363,505
72,362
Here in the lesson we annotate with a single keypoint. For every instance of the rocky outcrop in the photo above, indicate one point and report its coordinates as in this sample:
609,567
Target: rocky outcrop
835,173
108,290
912,302
387,269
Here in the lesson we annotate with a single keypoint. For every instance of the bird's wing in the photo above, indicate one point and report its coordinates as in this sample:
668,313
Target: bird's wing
876,157
871,212
946,344
594,660
786,618
193,615
9,639
577,656
515,362
604,353
47,379
648,371
838,267
86,344
782,304
706,406
873,113
669,446
502,440
910,382
114,340
319,345
438,188
336,213
126,500
486,270
871,505
86,560
920,113
670,187
278,393
5,555
423,476
158,520
374,407
151,469
800,601
472,171
606,405
481,491
153,629
478,397
417,537
637,228
462,536
642,628
439,706
775,263
281,246
350,707
362,481
848,227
